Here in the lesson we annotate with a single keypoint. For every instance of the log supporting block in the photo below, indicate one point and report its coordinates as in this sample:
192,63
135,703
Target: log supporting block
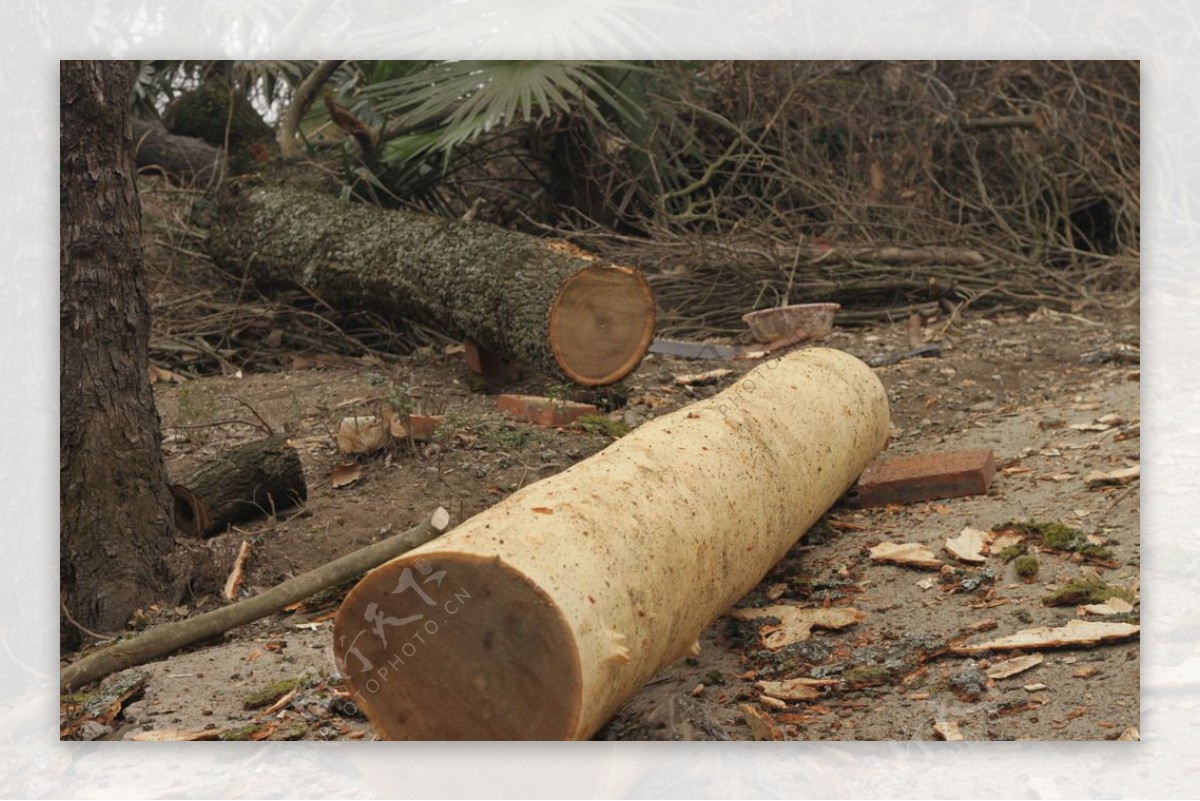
925,477
491,366
544,411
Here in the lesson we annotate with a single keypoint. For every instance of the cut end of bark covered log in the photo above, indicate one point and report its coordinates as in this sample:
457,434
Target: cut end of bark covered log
601,324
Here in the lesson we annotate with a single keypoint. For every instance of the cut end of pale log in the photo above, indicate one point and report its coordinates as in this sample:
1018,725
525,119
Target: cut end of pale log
601,324
470,650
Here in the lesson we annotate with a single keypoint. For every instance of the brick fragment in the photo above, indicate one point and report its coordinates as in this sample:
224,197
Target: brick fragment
544,411
912,479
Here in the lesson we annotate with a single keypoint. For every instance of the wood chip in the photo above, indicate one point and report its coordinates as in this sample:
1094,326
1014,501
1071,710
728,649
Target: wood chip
1132,734
234,582
968,546
177,735
1076,632
343,475
761,725
1113,606
699,379
1099,478
796,624
1033,688
948,731
772,703
1011,667
1005,540
362,434
1085,672
801,689
908,554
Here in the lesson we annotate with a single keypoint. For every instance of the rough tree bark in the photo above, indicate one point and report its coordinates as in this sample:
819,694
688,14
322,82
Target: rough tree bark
116,512
547,305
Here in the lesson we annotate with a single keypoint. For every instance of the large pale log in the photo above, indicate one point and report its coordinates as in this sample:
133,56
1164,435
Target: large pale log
539,617
545,304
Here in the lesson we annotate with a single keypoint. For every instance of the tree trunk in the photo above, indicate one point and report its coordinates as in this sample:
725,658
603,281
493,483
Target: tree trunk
184,158
539,617
546,305
116,512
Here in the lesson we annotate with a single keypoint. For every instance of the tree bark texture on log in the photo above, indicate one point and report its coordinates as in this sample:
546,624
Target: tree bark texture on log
538,618
255,479
546,305
116,511
184,158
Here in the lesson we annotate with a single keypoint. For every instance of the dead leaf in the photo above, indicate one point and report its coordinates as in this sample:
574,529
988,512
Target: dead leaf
1011,667
796,624
1076,633
909,554
968,546
343,475
161,375
362,434
800,689
761,725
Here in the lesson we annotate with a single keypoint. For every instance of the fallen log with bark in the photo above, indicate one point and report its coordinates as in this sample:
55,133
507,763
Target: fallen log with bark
547,305
258,478
186,159
538,618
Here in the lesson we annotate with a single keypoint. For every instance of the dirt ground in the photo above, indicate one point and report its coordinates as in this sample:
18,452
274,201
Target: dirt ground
1029,386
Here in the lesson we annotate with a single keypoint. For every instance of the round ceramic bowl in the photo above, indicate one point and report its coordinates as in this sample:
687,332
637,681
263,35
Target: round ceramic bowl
805,320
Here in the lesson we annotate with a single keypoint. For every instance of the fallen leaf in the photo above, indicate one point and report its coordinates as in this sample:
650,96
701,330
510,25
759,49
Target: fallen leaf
343,475
761,725
362,434
796,624
909,554
968,546
801,689
1011,667
1076,632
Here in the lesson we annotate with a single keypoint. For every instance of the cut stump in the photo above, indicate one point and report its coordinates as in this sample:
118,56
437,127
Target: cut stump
537,618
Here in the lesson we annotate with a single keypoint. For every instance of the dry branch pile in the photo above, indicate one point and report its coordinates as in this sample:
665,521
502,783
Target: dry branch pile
806,175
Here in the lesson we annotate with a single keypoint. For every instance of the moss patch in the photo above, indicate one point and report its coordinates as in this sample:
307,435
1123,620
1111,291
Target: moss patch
1056,536
866,675
599,424
1026,566
1085,591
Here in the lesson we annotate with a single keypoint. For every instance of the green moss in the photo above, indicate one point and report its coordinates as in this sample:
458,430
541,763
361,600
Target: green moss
270,695
1056,536
867,674
239,735
1026,566
1011,552
599,424
1085,591
714,677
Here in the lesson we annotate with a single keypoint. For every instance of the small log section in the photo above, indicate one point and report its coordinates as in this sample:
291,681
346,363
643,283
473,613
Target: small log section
184,158
545,304
537,618
253,480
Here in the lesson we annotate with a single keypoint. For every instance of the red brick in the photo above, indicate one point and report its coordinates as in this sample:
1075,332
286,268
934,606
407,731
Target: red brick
912,479
544,411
